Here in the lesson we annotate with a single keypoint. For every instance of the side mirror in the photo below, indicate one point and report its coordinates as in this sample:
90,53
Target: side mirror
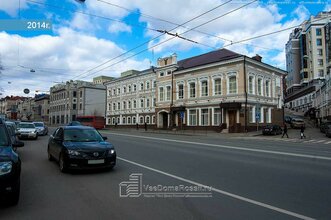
18,144
104,138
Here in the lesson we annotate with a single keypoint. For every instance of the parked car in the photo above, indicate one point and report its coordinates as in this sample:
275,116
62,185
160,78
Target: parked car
288,119
80,147
42,129
75,123
10,167
324,126
272,129
328,130
297,123
27,130
12,130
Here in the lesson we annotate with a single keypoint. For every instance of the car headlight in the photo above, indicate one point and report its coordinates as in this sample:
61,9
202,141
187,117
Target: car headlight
5,167
111,152
73,152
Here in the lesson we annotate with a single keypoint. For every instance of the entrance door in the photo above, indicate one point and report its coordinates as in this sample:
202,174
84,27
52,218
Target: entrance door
232,118
165,120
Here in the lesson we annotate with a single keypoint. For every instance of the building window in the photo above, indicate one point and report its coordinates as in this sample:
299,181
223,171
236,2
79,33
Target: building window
204,88
154,102
134,121
217,87
124,105
204,117
320,52
147,103
232,84
320,62
251,115
114,91
129,120
141,86
217,116
319,42
124,89
193,117
267,88
154,84
259,86
320,73
123,120
192,90
180,91
134,104
134,87
318,32
81,93
129,104
114,106
81,106
169,72
147,120
153,119
113,121
118,120
147,85
74,93
161,94
141,120
74,106
168,93
129,88
161,74
141,103
251,84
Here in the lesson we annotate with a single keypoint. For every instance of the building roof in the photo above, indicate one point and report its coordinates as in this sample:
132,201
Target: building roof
207,58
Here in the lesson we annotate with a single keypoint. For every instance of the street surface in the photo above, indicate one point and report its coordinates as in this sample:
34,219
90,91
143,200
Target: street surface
251,178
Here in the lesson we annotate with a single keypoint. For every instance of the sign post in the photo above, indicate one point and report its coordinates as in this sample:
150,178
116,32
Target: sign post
181,115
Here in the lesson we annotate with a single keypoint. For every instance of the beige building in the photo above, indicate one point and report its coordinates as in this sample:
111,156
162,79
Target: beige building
220,90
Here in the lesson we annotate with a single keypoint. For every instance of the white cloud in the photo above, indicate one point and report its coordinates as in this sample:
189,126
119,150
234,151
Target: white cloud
11,7
55,59
116,27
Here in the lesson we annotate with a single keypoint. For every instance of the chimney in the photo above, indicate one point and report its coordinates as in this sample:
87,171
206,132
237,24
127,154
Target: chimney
257,58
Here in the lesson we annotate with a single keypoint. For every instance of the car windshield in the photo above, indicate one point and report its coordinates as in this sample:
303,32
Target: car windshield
3,137
26,125
82,135
38,124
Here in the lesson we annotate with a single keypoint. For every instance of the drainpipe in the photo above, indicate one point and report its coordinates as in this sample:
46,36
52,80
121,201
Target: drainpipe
172,99
245,85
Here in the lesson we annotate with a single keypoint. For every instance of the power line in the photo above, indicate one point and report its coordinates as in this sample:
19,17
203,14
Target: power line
174,37
146,42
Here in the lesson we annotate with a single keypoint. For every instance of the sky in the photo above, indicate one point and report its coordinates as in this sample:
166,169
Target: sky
107,37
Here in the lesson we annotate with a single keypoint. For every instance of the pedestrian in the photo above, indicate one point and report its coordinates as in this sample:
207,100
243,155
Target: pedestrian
285,131
145,126
137,126
115,124
302,132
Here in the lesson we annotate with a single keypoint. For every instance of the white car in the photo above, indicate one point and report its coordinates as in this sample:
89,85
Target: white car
41,128
27,130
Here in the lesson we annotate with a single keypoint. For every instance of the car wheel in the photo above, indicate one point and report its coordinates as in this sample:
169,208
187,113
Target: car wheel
62,164
14,196
49,156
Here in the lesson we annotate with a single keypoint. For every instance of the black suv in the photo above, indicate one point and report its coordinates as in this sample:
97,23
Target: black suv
10,168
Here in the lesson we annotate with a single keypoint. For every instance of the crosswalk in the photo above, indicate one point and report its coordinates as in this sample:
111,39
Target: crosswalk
292,140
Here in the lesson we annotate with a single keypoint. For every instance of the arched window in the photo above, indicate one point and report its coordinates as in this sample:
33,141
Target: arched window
147,119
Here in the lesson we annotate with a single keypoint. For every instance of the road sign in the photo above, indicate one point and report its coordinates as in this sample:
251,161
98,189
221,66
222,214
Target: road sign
181,115
257,115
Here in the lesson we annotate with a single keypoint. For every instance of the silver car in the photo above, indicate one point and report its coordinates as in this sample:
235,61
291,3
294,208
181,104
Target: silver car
27,130
42,129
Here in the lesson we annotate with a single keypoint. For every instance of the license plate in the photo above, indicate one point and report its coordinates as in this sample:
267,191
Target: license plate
95,161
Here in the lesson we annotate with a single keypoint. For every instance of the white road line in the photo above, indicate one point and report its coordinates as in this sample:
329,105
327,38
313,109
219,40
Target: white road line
327,142
231,147
309,141
274,208
319,141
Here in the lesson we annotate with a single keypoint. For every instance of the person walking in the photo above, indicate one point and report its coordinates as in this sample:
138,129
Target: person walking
302,132
285,131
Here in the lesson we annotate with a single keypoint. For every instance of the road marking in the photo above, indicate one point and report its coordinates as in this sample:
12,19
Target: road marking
320,141
230,147
327,142
274,208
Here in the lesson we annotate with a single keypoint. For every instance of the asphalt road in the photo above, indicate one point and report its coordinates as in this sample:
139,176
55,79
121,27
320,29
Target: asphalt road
250,179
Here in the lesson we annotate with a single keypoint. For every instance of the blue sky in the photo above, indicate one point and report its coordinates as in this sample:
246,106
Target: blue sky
79,42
